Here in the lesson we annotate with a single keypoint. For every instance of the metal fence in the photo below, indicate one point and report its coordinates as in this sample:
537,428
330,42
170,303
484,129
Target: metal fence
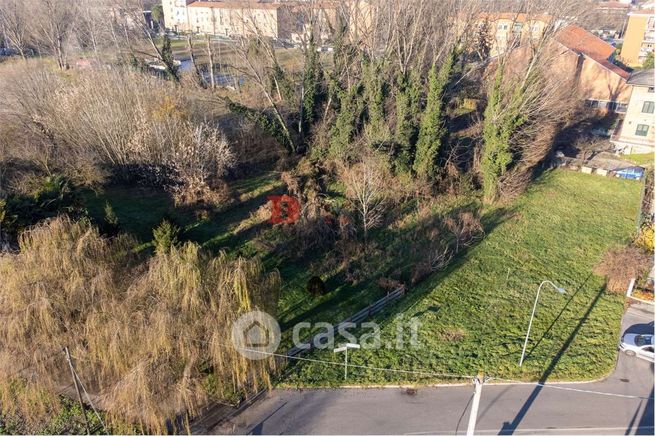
360,316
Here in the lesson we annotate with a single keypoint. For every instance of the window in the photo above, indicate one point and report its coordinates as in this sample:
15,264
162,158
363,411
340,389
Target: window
642,130
649,107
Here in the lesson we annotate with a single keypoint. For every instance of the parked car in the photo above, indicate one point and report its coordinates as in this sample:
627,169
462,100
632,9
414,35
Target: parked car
638,345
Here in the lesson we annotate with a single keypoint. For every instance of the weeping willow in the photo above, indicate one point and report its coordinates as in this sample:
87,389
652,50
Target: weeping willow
151,336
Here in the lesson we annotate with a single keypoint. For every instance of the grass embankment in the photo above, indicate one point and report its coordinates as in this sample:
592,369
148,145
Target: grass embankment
474,315
139,211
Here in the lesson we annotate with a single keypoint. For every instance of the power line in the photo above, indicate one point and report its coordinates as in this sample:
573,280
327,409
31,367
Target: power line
406,371
31,365
328,362
565,388
88,398
423,373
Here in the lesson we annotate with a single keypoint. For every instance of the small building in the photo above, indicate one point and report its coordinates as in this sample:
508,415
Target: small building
602,84
636,133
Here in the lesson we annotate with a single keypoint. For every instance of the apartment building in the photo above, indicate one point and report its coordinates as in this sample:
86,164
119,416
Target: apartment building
232,19
636,134
584,56
288,20
639,38
507,29
175,15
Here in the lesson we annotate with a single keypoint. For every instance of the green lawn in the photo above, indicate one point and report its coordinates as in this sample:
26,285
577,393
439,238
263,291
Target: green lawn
474,315
558,231
646,159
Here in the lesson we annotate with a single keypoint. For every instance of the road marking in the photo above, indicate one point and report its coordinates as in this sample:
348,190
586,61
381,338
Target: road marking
558,430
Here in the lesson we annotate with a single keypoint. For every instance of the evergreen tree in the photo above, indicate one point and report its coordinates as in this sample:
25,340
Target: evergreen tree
408,98
346,124
374,95
502,119
433,131
168,60
312,79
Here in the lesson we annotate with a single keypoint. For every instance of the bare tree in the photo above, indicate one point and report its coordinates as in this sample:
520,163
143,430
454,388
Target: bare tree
366,187
54,21
210,59
14,22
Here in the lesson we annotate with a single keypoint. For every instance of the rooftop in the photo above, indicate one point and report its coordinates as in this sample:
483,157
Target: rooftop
584,42
643,78
516,17
243,4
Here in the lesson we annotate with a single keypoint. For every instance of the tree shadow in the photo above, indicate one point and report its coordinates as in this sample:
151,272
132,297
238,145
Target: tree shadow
510,427
568,302
644,328
387,316
259,428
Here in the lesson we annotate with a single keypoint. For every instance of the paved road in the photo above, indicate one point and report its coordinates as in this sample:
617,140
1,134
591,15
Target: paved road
504,409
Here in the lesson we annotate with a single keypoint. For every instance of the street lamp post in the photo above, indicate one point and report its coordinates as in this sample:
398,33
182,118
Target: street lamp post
534,308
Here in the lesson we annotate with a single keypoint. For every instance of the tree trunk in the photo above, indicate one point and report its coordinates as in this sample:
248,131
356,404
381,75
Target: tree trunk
210,56
189,41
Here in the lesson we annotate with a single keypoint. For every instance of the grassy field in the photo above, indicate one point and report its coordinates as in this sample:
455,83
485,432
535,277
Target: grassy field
646,159
139,211
474,315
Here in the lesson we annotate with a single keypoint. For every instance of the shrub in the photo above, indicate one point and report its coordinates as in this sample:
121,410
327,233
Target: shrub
466,228
316,287
646,237
47,197
165,237
620,265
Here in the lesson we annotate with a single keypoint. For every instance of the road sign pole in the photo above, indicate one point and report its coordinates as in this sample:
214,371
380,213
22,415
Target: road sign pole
344,348
474,408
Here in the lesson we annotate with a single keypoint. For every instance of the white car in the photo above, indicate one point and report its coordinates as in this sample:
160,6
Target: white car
638,345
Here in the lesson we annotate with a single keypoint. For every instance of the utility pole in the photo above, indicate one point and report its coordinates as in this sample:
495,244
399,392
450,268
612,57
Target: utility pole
77,388
476,404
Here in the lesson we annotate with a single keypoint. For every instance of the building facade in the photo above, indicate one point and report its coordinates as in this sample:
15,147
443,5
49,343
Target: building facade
602,84
639,38
636,134
287,20
176,15
506,30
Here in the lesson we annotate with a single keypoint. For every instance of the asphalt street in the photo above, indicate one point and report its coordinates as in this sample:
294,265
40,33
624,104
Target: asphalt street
504,409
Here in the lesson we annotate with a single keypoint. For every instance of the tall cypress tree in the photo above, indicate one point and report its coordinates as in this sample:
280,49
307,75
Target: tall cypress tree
502,119
168,59
433,131
312,78
374,95
408,98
